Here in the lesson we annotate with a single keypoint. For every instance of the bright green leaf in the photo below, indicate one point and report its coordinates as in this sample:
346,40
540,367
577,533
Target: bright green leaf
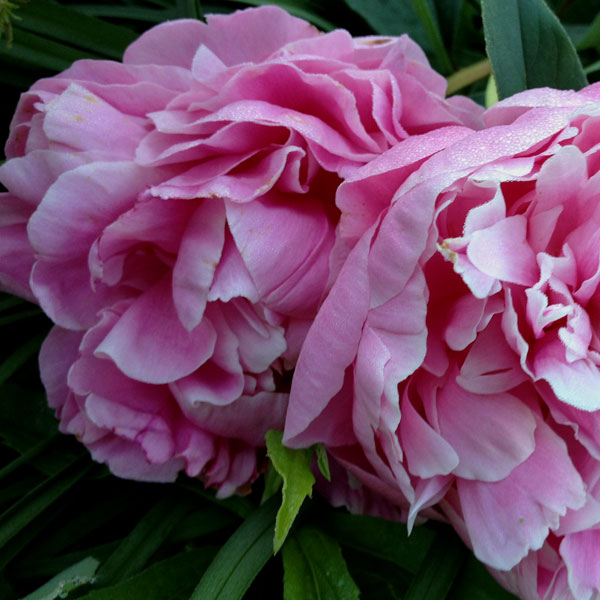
66,581
241,558
298,481
314,568
273,483
528,47
491,93
322,461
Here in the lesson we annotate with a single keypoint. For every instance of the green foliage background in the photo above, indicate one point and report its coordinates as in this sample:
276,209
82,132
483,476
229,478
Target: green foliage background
69,529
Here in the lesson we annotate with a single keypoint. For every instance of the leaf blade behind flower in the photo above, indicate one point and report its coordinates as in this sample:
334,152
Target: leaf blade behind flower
529,48
241,558
314,568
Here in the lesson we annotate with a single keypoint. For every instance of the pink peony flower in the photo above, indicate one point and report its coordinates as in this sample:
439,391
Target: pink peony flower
462,335
174,216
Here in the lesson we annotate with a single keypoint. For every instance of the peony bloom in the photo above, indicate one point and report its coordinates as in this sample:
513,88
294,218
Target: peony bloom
462,335
174,215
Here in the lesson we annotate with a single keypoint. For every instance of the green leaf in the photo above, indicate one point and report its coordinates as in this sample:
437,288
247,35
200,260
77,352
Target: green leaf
66,581
322,461
241,558
134,13
13,520
475,581
32,51
392,17
439,569
314,568
202,522
188,9
162,580
134,551
380,538
528,47
428,17
591,39
298,481
73,28
273,483
27,456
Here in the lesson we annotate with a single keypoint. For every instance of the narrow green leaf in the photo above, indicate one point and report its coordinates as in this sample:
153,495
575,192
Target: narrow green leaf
27,456
202,522
7,302
322,461
298,481
392,17
593,67
35,502
36,52
241,558
66,581
133,13
426,13
273,483
99,513
134,551
439,569
70,27
162,580
591,38
528,47
188,9
19,316
43,568
381,538
314,568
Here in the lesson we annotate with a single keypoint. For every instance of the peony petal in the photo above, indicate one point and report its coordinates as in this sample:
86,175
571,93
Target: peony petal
197,260
506,519
148,343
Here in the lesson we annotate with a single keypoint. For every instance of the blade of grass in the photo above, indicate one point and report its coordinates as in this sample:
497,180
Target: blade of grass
136,549
20,514
241,558
27,456
72,28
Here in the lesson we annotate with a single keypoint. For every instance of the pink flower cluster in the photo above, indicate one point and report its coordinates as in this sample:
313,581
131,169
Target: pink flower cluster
175,216
453,371
259,205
